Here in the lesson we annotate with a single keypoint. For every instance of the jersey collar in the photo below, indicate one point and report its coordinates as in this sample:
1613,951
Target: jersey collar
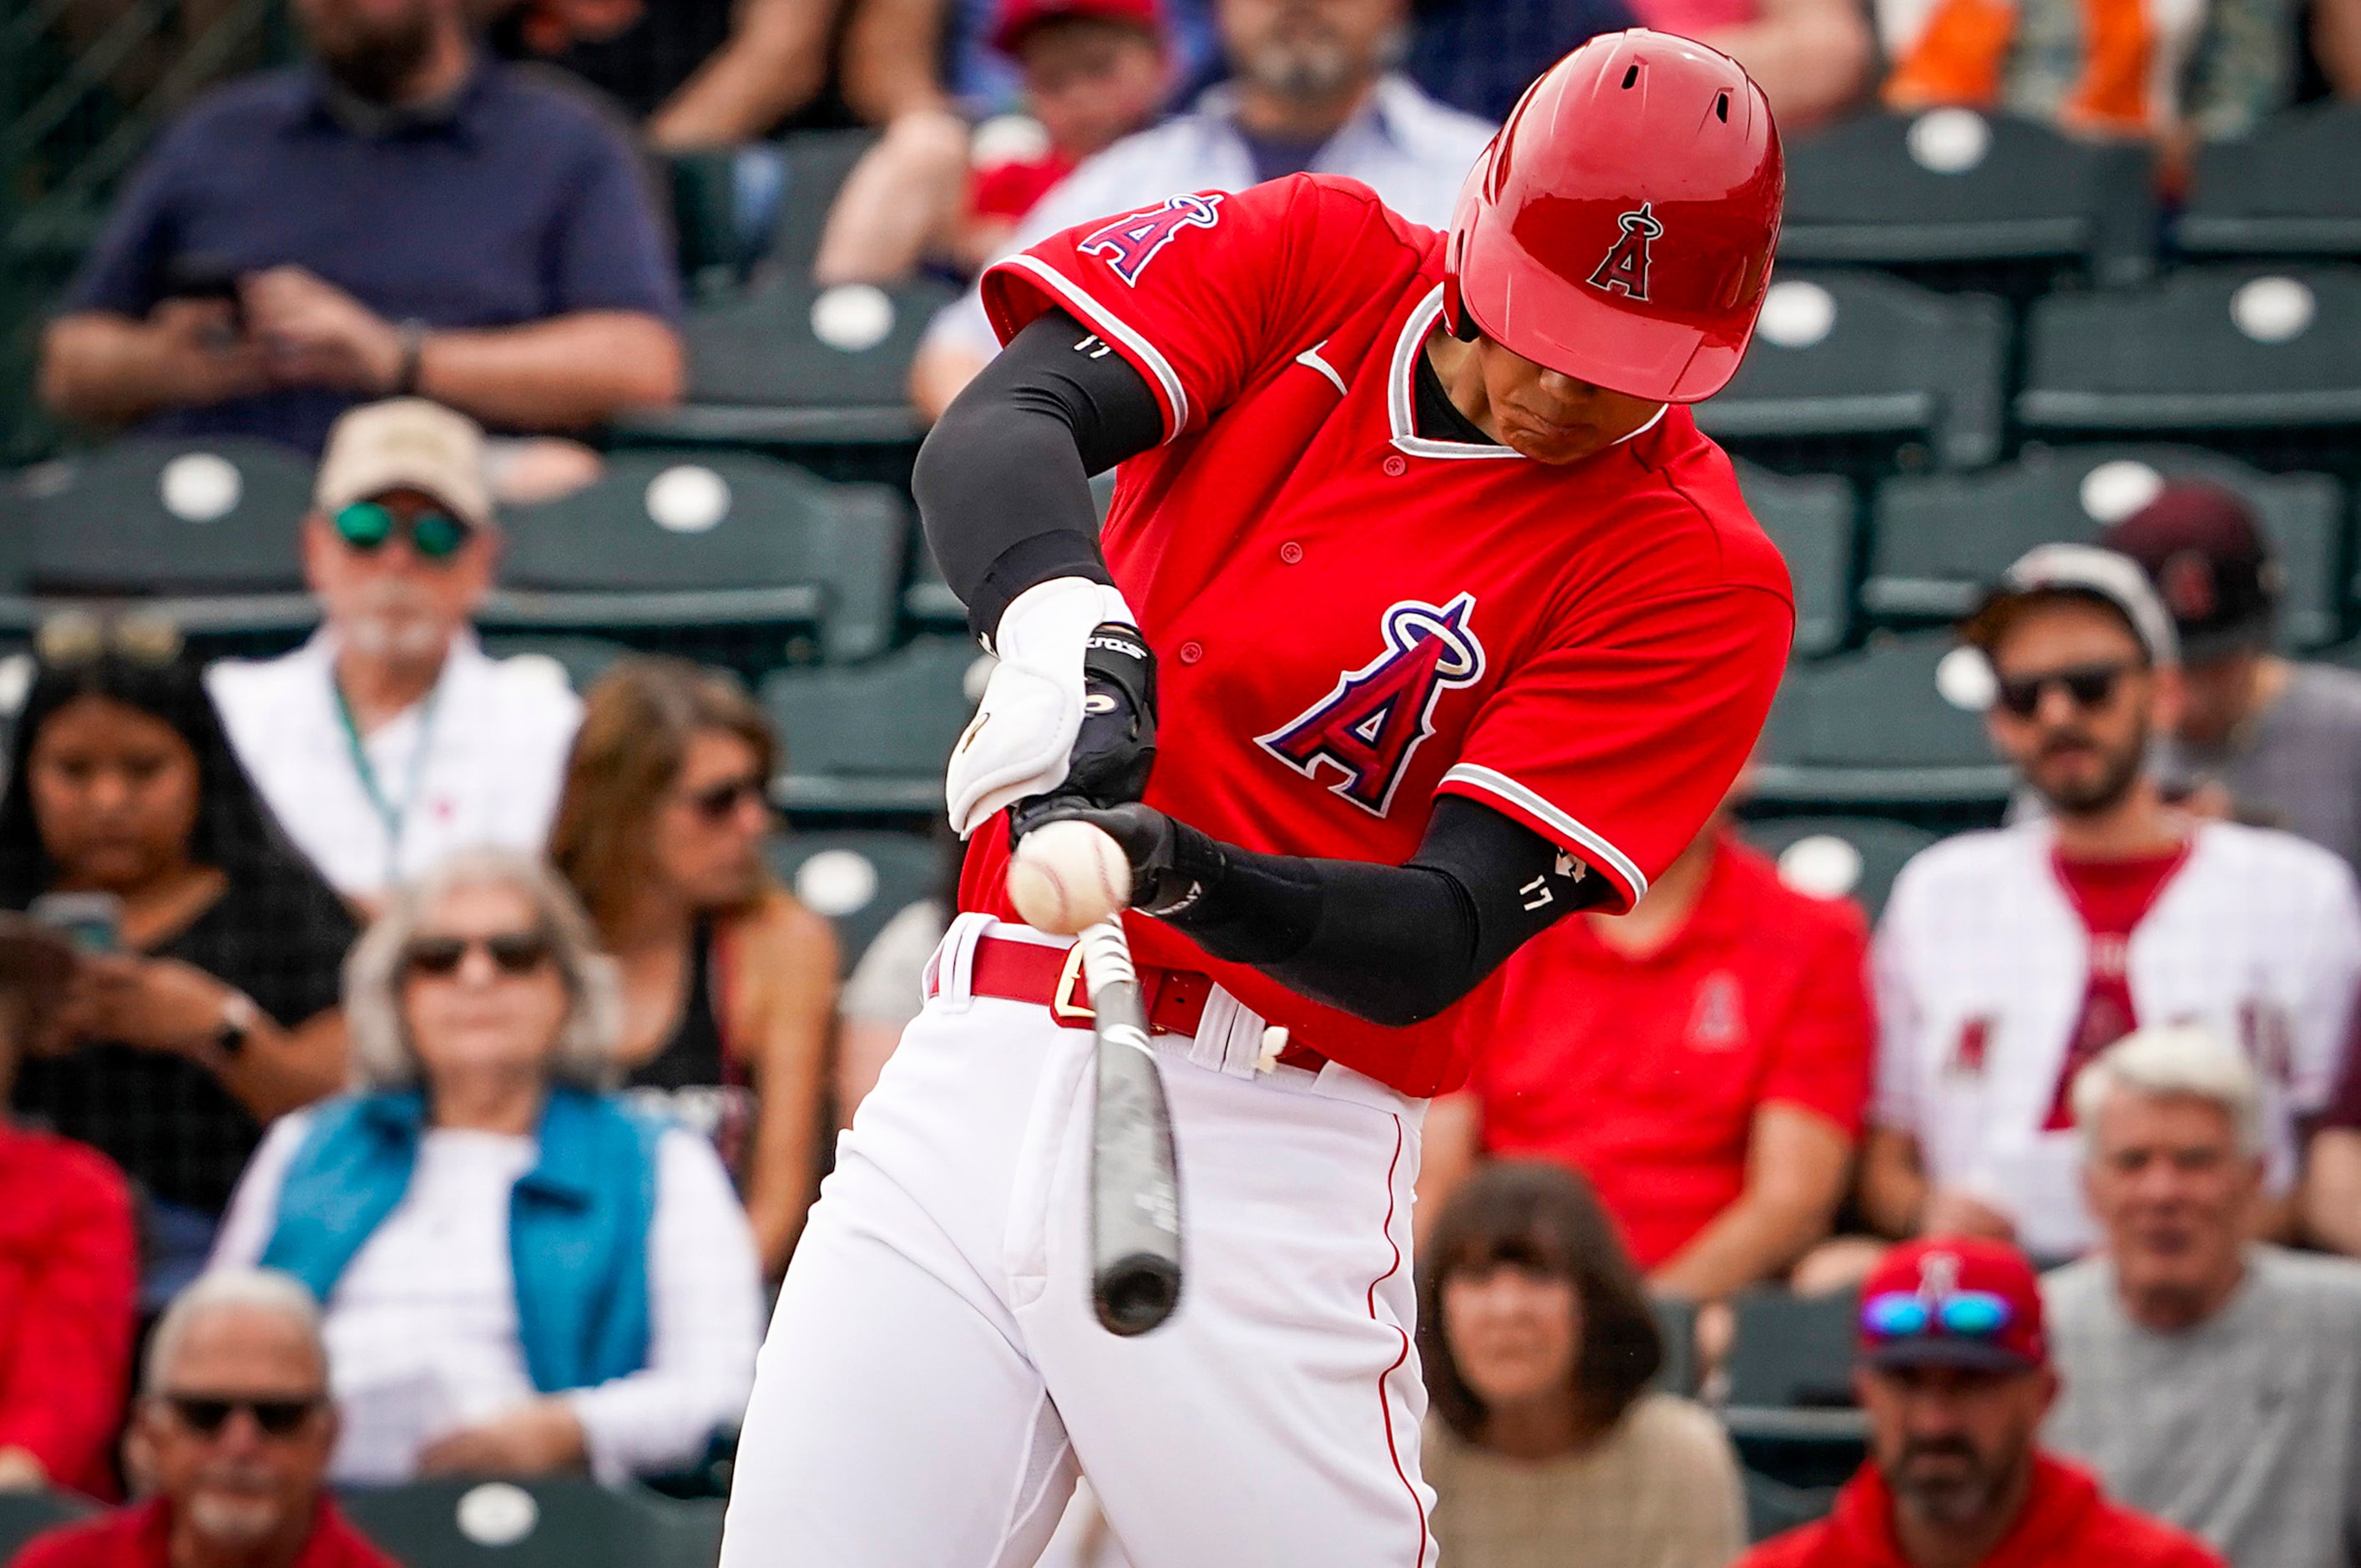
1400,399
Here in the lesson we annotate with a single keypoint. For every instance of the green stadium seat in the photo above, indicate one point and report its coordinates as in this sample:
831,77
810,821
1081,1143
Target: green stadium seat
1839,857
23,1515
1939,539
818,162
1872,726
1810,518
874,738
2285,189
1791,1351
1775,1508
858,879
1677,1326
1953,195
583,659
717,555
2266,364
152,517
1849,369
536,1524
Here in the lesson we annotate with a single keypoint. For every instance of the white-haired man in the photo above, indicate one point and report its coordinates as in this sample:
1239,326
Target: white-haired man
2213,1380
236,1424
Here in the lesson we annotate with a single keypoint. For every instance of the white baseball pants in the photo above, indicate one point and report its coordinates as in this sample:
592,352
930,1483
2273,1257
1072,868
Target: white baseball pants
934,1377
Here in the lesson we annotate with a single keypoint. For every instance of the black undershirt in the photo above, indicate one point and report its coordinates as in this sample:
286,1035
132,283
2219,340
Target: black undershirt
1436,415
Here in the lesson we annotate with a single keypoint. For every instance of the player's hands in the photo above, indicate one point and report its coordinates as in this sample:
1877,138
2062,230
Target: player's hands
1171,862
1021,742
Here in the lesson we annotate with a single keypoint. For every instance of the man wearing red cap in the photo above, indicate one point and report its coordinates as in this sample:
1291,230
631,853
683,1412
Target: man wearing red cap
1954,1375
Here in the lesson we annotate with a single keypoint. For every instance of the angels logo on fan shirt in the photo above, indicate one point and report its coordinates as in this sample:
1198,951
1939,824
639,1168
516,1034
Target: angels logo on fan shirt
1369,726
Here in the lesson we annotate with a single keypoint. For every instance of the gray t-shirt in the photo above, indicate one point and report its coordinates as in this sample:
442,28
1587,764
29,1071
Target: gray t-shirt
2296,766
2242,1429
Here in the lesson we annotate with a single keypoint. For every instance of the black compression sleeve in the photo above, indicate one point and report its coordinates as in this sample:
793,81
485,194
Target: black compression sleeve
1003,482
1391,944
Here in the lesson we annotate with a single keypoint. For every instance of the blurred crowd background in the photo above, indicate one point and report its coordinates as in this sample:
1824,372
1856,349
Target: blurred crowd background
475,700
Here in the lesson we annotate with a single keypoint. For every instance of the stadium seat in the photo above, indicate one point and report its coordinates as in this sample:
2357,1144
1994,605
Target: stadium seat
536,1524
1939,539
2285,189
858,879
1791,1351
1839,857
1849,369
1955,196
714,554
816,163
1677,1326
152,517
1810,518
23,1515
1871,726
1774,1507
2266,365
873,737
583,659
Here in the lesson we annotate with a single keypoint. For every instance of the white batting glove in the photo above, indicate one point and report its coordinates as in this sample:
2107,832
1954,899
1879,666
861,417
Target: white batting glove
1023,733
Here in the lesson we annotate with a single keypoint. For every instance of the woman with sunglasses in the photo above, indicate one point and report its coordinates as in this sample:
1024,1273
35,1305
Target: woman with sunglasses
729,983
1545,1446
521,1274
203,998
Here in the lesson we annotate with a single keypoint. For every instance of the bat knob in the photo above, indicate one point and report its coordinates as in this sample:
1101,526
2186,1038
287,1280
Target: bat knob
1137,1293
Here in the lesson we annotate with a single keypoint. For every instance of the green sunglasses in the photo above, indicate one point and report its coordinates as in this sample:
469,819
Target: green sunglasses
436,536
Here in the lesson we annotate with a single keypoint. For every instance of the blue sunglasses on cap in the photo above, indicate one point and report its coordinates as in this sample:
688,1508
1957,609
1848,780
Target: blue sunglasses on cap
1964,1314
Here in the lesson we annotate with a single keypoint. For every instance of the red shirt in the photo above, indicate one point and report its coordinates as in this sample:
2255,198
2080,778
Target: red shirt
69,1275
1351,619
2111,897
141,1537
1645,1072
2066,1524
1009,190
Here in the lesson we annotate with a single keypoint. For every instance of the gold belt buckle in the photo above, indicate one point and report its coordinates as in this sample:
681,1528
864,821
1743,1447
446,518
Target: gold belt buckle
1070,985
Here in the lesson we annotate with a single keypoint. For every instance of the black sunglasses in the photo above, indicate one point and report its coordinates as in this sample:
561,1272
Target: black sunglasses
511,952
2086,685
206,1414
719,803
436,536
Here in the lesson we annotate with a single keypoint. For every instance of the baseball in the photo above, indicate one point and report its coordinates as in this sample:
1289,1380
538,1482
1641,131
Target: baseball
1067,875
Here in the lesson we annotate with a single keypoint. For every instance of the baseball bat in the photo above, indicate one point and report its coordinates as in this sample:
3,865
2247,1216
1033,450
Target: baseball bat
1134,1186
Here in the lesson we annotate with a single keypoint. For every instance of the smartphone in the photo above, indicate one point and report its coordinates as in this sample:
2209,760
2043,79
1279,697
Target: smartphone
207,278
93,922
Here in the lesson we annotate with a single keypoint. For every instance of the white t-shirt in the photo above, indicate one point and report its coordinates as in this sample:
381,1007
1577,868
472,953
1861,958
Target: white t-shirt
494,733
1982,965
422,1327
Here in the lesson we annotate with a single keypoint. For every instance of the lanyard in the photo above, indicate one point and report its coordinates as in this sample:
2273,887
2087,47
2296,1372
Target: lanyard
390,814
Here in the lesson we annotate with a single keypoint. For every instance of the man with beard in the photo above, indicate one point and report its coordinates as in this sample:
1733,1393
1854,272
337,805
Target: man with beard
234,1426
2210,1379
1311,88
1954,1375
2007,961
401,215
390,738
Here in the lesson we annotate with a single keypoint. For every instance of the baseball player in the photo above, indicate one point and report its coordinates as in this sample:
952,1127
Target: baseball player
1459,626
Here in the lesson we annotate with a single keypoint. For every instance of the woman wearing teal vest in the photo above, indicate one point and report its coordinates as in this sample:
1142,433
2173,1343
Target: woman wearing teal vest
521,1275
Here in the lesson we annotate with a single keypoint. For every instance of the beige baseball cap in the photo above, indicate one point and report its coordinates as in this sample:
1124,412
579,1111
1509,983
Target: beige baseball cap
405,444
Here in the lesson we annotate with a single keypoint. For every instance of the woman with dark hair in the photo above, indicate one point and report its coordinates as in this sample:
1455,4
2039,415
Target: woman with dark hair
1545,1447
203,998
729,983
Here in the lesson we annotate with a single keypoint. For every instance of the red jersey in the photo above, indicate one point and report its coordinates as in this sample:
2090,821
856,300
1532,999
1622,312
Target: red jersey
1644,1072
69,1287
141,1537
1009,190
1351,618
2066,1524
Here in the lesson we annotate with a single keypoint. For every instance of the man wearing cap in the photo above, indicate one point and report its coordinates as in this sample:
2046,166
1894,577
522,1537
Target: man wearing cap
2008,959
2260,737
389,739
1954,1376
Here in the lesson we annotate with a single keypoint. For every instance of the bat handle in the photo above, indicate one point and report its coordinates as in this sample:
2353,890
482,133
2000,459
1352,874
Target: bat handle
1135,1181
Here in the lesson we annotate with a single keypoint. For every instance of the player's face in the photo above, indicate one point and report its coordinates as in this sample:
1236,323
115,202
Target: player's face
1514,1334
2086,701
1548,415
1952,1441
2170,1186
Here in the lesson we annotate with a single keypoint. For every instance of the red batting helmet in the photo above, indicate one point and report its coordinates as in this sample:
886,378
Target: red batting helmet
1619,227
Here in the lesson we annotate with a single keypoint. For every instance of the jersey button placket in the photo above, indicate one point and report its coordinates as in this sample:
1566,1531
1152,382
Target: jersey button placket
1396,466
1290,552
1191,652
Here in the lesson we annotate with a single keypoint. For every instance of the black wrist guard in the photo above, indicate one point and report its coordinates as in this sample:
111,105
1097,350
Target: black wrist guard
1117,749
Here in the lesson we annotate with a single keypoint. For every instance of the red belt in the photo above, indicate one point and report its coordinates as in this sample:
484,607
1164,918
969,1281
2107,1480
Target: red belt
1173,999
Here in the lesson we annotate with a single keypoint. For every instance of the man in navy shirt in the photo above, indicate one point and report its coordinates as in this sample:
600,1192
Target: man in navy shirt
403,215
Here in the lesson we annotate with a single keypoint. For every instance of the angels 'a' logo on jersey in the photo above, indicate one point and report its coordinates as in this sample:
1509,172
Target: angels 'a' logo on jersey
1367,729
1625,266
1131,241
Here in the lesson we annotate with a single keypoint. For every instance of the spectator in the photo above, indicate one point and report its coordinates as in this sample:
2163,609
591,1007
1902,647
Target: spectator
1545,1446
236,1423
520,1276
1479,56
390,738
2261,738
69,1260
2332,1178
1311,92
400,216
2008,959
2211,1380
728,984
204,1002
1702,1061
887,987
1954,1376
